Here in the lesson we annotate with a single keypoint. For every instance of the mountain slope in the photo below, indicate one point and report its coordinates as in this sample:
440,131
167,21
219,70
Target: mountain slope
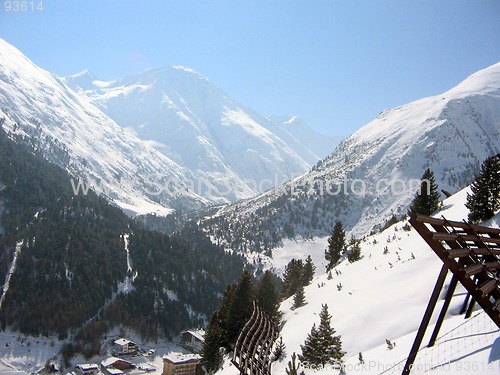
374,173
390,306
70,131
382,297
195,123
74,262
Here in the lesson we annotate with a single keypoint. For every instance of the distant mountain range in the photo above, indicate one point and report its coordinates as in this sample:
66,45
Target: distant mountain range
169,138
161,140
373,175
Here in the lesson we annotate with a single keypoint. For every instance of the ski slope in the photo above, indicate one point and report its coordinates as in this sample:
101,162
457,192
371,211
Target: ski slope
383,297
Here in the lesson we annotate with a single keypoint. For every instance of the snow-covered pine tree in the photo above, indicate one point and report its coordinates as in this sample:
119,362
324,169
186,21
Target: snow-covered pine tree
484,199
426,199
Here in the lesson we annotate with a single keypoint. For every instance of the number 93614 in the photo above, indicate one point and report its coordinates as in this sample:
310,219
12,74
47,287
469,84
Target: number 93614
23,6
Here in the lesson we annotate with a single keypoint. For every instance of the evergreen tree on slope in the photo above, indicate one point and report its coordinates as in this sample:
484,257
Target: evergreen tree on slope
310,357
308,271
267,297
322,346
292,277
354,250
426,199
336,246
330,346
485,198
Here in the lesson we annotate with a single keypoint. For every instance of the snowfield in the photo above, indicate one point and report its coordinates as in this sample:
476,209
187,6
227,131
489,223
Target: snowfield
383,297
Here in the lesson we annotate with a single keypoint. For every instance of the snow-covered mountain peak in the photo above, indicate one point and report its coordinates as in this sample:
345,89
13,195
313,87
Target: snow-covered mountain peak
194,122
485,81
73,133
81,81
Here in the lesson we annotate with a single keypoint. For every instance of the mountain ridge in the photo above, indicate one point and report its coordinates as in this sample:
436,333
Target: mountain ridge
194,121
450,133
141,176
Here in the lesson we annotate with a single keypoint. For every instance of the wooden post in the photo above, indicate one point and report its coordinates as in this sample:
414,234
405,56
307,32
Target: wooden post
442,314
425,320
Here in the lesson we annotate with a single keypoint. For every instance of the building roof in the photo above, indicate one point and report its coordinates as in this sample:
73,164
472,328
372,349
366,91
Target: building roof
177,358
88,366
123,342
112,360
199,334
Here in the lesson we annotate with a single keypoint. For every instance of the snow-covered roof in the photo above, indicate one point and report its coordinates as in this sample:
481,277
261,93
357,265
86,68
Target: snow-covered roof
111,360
88,366
199,334
176,358
123,342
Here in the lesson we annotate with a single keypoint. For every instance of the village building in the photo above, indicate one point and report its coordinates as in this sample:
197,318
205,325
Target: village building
192,340
87,369
180,364
115,366
124,346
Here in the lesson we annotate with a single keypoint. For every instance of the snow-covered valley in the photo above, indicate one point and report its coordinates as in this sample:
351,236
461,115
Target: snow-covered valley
172,126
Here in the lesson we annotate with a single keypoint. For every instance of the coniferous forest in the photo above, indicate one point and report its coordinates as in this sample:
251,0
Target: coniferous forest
72,266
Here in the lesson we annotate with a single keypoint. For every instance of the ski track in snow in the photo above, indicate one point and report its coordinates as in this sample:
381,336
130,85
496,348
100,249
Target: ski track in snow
126,241
10,273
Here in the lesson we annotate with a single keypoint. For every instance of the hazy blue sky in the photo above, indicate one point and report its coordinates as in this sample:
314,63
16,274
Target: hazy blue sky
336,64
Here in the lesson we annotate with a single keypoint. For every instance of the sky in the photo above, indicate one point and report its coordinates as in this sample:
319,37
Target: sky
335,63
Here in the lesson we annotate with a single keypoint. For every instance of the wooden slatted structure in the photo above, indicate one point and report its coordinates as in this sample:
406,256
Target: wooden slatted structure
255,341
472,254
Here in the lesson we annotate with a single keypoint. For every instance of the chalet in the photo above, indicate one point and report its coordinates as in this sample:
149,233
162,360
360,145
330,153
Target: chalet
124,346
87,369
192,340
180,364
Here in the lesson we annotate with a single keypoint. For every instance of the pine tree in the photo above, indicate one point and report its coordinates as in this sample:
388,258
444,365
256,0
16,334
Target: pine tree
293,368
267,296
360,359
390,345
292,277
336,245
211,356
330,346
485,198
426,199
299,298
240,307
308,271
279,350
354,250
310,357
